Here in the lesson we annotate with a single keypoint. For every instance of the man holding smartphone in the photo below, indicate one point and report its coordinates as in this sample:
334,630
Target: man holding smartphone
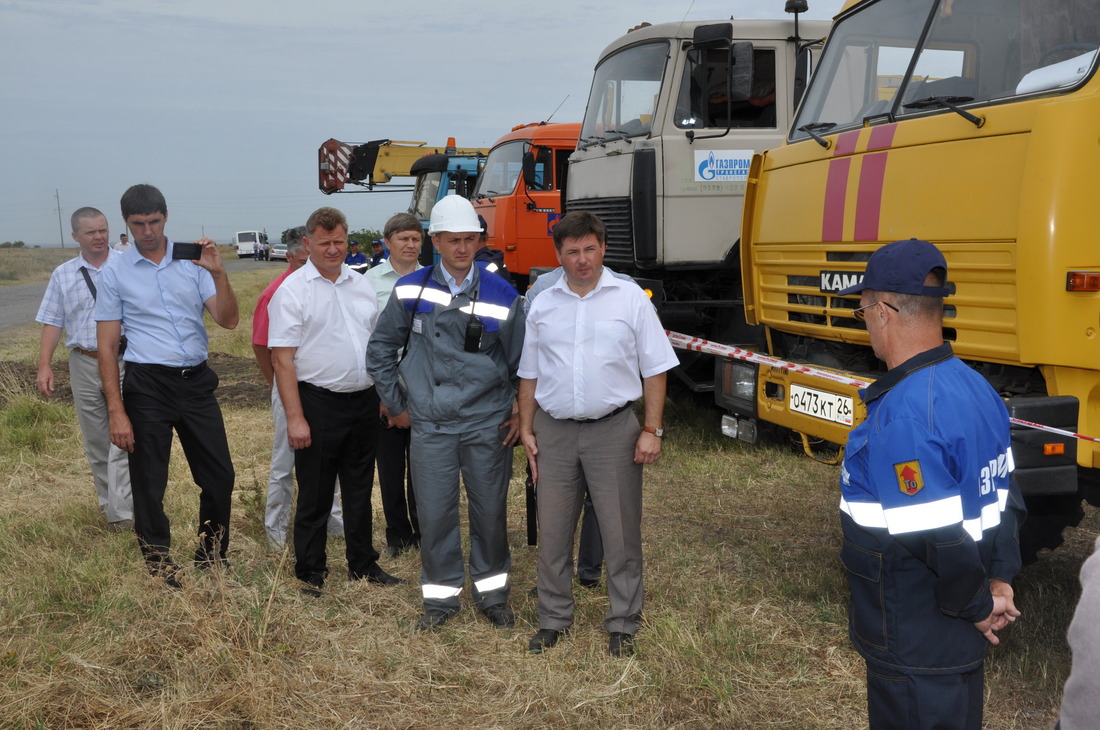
160,300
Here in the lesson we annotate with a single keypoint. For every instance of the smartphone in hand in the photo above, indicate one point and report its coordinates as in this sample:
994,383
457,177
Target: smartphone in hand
187,251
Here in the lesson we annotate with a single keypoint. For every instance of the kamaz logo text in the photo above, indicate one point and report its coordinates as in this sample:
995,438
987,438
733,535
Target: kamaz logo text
833,281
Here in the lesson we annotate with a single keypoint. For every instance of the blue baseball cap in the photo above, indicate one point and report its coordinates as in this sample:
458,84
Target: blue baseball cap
902,267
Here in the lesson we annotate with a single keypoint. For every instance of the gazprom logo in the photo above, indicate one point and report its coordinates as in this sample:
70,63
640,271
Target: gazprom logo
722,165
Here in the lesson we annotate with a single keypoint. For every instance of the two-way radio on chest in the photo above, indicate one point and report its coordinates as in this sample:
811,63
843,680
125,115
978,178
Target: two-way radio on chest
474,326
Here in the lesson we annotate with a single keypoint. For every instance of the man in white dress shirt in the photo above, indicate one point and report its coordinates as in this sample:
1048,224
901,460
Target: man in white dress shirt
594,345
321,320
280,481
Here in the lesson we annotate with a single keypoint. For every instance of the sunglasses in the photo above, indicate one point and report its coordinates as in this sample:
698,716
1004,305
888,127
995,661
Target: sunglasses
861,312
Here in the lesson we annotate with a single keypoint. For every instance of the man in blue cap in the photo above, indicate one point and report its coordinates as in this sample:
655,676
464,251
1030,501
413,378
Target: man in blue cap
928,507
354,257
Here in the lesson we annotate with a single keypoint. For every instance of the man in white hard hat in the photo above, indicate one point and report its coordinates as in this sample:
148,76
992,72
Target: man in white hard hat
444,356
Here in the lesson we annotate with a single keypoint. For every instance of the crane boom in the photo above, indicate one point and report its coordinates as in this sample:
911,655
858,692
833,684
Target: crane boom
376,162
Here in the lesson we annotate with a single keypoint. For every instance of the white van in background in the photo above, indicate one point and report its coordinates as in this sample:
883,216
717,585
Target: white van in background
246,243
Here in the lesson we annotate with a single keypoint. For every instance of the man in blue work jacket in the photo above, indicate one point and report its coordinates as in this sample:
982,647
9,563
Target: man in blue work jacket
929,511
444,357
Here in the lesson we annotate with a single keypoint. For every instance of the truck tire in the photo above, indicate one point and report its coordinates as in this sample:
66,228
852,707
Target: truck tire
1047,517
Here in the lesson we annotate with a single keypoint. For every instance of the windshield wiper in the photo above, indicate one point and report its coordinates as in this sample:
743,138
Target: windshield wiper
948,102
811,129
622,135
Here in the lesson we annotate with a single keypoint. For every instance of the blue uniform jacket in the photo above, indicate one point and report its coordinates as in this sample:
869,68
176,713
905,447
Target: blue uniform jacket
438,381
930,514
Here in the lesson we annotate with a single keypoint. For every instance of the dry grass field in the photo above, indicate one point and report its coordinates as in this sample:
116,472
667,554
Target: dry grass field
23,265
744,624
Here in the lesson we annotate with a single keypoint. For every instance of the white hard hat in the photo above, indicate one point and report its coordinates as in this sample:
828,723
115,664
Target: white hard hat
454,214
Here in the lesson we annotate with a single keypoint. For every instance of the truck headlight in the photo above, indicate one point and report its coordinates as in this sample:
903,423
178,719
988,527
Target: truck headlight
735,382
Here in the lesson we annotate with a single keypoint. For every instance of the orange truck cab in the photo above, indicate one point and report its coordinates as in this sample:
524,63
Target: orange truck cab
519,194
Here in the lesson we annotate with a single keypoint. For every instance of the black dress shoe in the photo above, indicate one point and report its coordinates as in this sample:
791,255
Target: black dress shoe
588,582
620,644
382,578
544,639
166,570
314,585
207,564
500,615
432,620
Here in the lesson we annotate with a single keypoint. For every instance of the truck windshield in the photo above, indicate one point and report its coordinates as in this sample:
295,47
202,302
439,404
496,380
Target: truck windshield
894,58
502,169
624,93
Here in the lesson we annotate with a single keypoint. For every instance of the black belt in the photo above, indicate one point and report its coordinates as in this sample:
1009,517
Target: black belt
615,412
334,393
185,372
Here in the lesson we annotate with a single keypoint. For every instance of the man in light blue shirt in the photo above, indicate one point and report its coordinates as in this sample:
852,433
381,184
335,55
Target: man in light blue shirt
160,297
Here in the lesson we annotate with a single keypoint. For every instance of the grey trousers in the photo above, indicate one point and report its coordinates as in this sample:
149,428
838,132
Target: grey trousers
600,454
486,468
110,464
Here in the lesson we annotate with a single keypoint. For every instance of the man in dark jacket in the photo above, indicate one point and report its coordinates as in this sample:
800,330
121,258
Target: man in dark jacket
929,510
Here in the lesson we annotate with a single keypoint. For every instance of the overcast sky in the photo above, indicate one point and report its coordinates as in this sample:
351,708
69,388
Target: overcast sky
222,104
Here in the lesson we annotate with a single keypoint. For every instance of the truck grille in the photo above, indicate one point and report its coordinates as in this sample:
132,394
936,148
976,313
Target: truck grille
616,215
789,281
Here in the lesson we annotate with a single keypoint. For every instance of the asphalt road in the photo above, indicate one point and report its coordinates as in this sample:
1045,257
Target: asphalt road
19,302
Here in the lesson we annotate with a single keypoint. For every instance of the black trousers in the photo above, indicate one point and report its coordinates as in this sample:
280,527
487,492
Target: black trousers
395,484
898,701
344,436
159,399
590,550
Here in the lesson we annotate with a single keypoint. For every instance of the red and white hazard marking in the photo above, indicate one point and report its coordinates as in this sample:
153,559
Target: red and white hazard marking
698,344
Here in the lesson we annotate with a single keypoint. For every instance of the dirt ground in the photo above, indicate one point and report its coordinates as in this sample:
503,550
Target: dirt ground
241,383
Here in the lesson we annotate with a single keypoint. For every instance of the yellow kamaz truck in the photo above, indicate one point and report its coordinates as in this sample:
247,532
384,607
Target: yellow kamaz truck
974,124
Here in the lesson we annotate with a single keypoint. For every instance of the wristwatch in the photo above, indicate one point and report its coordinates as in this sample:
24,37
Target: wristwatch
658,432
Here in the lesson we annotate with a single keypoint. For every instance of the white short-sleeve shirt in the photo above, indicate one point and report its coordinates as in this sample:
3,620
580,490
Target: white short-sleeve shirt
590,354
330,323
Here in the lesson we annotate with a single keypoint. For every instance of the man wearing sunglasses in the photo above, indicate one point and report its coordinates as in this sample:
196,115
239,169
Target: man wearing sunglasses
928,507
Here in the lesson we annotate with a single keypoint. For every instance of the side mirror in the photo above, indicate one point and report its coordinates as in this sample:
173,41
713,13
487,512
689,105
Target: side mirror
715,35
532,161
529,169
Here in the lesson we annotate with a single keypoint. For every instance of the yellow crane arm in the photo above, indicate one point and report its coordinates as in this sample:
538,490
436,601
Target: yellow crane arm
376,162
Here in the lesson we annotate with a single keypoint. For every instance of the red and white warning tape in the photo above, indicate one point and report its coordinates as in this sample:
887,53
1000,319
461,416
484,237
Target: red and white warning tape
698,344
